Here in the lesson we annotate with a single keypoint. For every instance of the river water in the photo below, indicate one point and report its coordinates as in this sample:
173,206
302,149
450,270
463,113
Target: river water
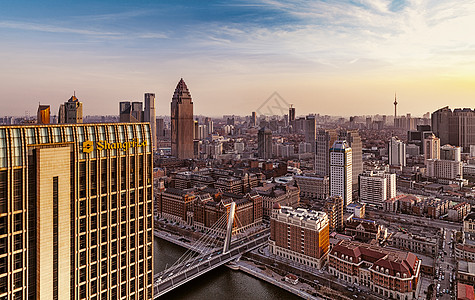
220,283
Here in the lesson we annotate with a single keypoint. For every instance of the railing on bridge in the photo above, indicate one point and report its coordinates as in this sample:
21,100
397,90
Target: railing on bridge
207,253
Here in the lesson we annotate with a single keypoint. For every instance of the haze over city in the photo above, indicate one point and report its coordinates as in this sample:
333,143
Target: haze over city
235,54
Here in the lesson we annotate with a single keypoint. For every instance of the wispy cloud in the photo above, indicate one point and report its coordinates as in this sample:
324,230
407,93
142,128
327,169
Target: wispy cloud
53,28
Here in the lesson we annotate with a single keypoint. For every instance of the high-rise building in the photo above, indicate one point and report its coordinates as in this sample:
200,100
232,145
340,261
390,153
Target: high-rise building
43,114
324,141
377,187
334,208
416,137
431,147
396,152
291,114
130,112
209,126
76,212
160,128
70,112
353,139
341,171
182,129
253,119
300,235
310,131
448,152
149,116
264,143
455,127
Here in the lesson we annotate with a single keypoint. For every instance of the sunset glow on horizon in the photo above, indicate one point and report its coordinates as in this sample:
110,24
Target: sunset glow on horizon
338,58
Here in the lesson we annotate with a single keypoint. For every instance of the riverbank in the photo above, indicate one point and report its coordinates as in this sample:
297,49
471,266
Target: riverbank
274,279
246,267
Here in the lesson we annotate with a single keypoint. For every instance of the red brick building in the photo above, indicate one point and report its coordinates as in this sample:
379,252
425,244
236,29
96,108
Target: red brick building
300,235
391,273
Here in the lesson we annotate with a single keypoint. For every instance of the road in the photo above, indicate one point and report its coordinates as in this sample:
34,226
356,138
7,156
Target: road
415,220
445,265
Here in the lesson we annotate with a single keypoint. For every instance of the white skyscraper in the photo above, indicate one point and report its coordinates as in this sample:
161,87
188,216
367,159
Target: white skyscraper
396,152
376,187
149,116
341,171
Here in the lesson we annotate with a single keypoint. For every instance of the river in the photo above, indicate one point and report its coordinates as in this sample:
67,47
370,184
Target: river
220,283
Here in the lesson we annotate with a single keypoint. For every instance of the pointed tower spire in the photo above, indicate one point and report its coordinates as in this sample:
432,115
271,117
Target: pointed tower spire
395,106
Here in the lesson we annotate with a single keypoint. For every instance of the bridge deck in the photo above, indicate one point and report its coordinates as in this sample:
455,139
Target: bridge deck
172,278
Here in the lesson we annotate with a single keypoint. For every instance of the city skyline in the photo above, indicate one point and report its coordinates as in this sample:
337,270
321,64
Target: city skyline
311,52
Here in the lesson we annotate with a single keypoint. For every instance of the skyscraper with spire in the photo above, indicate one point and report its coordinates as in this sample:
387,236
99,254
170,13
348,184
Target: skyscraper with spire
182,122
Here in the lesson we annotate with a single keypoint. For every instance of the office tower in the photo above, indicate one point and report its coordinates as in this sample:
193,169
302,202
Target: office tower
291,114
431,146
264,143
182,123
160,128
300,235
253,119
71,111
130,112
43,114
455,127
369,123
341,171
310,131
416,137
209,125
149,116
377,187
396,152
353,139
324,141
76,212
196,130
448,152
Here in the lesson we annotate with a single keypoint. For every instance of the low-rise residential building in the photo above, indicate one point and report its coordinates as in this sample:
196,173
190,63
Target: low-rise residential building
364,230
174,204
203,207
415,243
465,252
446,171
394,274
313,186
469,227
465,292
358,210
285,195
458,212
466,272
299,235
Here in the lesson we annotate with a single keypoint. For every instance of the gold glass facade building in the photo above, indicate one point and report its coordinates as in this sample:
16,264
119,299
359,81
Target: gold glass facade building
76,211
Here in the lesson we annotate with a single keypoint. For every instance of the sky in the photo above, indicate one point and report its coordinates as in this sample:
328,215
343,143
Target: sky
333,57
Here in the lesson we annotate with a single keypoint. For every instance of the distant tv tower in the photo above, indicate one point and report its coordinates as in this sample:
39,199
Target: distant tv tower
395,107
